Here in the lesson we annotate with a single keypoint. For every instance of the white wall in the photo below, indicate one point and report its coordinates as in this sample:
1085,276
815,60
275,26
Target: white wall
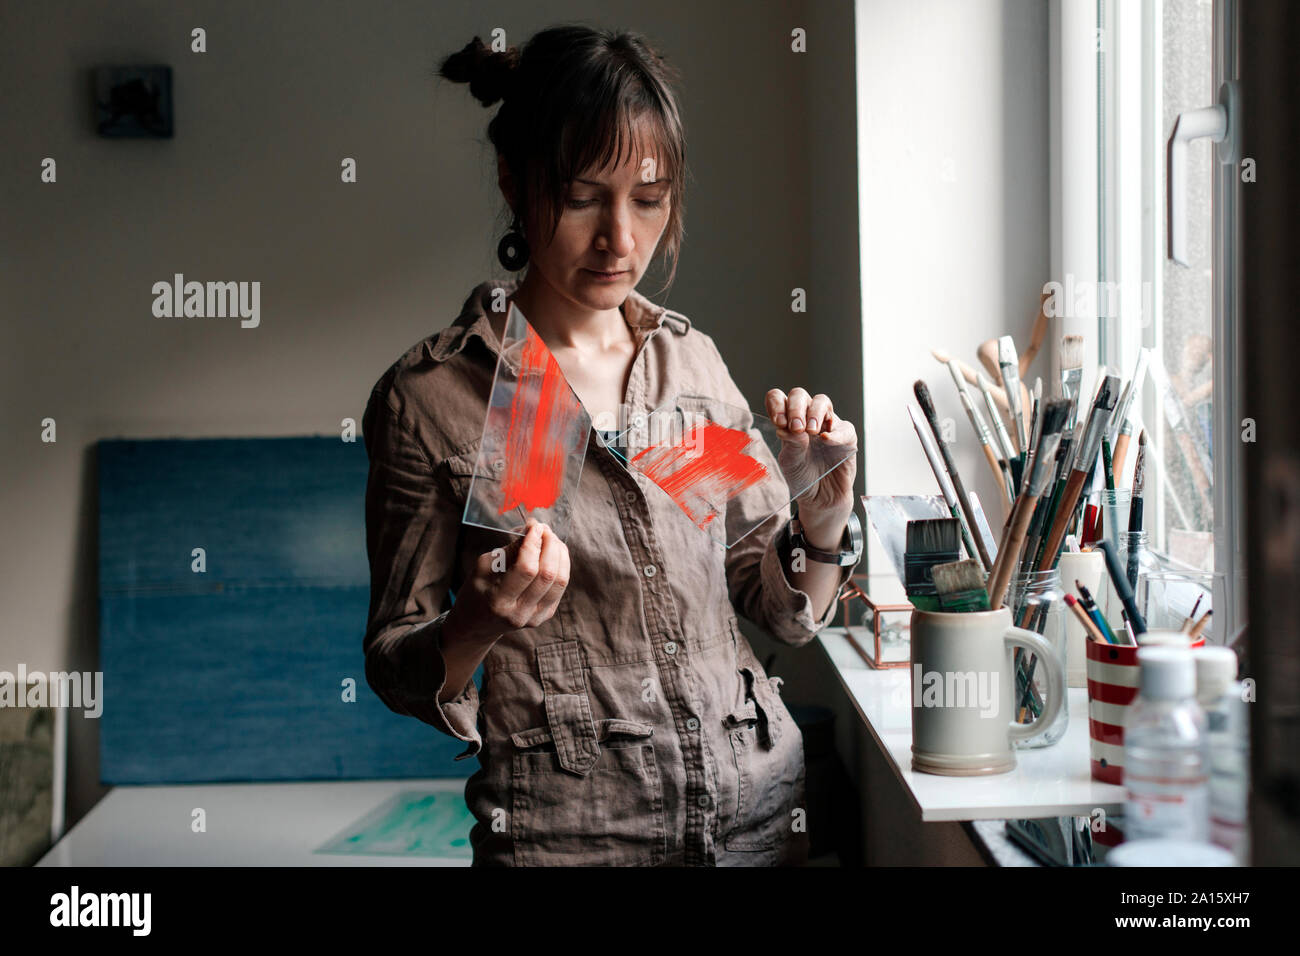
953,160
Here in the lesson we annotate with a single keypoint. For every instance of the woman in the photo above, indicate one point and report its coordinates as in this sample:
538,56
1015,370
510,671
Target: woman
623,717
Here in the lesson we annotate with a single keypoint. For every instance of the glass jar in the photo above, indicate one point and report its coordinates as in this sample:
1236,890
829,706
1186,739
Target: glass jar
1115,503
1038,604
1138,563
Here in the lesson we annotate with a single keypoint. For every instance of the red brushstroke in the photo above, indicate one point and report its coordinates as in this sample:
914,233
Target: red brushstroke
542,414
704,470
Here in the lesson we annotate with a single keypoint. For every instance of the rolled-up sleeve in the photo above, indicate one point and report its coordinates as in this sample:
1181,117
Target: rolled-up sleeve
412,525
756,567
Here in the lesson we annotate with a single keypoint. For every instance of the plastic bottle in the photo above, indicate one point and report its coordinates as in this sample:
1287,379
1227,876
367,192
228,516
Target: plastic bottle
1166,756
1227,719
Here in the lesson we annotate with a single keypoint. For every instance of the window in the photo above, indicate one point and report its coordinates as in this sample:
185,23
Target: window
1155,60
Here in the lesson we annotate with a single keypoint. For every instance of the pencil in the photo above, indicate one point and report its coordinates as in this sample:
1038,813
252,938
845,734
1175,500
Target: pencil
1201,624
1089,627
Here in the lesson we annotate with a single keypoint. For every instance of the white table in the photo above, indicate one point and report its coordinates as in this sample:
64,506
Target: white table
1050,782
248,824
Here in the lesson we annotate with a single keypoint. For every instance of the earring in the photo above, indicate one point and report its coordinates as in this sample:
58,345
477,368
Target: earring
513,248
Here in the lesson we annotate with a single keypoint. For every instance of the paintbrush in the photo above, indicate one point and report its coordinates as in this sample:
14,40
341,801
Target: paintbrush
971,375
987,353
1036,336
1013,535
1071,371
961,586
1121,428
1046,510
930,541
1000,470
999,429
922,392
945,484
1084,464
1010,366
1089,493
1035,421
1135,505
1120,580
1187,622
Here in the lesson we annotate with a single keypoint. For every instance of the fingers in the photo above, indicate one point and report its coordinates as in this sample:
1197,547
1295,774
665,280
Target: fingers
775,402
798,413
551,600
819,411
796,409
549,566
523,565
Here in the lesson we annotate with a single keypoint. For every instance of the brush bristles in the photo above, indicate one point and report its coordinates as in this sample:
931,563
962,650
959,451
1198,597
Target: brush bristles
1072,352
958,576
1007,351
922,392
928,535
1055,414
1108,394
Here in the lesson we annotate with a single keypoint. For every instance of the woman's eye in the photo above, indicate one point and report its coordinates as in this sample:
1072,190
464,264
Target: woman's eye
580,203
651,203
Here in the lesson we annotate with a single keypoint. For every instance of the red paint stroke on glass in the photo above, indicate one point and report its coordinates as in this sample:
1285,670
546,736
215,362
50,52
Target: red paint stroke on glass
704,470
542,413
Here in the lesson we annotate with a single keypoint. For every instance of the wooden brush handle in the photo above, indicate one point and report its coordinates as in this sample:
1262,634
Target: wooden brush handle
1036,336
1064,509
1009,550
997,391
1118,455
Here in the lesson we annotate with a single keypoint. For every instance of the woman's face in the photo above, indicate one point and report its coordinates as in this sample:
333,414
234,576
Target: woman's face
610,223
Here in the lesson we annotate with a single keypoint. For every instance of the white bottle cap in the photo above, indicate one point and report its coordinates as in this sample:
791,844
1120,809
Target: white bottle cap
1166,673
1169,853
1216,669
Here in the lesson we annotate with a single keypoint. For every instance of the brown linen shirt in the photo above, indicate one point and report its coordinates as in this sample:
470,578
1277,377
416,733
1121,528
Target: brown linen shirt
636,726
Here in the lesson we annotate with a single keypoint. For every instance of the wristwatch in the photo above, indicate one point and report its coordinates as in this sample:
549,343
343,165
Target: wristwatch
850,546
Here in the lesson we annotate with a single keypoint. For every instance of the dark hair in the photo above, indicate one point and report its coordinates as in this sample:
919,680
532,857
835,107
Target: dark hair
569,101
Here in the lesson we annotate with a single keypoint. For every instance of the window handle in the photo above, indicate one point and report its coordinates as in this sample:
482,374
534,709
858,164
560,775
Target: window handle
1222,123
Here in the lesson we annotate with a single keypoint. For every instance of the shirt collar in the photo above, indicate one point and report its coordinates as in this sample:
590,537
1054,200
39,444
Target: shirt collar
641,315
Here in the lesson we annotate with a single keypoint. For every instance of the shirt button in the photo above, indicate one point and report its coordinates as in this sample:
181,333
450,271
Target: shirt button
498,465
630,496
649,570
670,647
702,799
692,724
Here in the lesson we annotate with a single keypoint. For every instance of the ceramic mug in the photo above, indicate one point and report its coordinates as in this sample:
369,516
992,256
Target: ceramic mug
963,691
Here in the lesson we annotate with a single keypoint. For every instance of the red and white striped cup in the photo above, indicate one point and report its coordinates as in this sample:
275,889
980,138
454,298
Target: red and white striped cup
1112,688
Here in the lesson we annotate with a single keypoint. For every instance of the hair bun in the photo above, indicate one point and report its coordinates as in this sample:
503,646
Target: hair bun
490,75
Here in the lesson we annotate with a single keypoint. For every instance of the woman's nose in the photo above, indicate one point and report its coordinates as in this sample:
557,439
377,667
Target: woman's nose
615,233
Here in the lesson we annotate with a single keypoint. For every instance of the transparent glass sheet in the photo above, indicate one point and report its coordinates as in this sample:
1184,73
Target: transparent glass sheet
534,440
703,452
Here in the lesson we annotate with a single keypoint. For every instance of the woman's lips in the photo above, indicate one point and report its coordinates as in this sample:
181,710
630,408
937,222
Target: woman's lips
606,275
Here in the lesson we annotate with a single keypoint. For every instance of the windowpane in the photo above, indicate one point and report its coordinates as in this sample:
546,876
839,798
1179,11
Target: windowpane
1185,330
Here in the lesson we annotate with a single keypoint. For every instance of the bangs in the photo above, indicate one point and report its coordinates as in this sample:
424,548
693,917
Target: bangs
608,137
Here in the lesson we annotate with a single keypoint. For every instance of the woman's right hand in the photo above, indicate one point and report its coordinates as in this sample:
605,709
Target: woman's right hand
525,593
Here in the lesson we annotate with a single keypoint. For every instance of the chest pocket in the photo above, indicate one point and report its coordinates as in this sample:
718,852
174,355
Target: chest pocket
768,749
461,472
581,803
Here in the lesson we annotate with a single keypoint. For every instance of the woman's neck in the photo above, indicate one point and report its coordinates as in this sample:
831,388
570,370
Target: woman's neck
563,324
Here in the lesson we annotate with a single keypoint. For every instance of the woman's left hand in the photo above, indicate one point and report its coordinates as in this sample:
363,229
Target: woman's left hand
811,435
